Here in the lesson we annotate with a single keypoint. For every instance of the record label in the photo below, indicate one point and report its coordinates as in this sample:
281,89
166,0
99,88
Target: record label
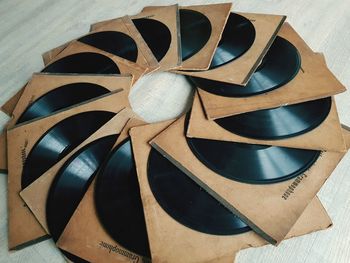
60,98
279,66
118,201
84,62
156,35
195,31
278,123
186,202
59,140
116,43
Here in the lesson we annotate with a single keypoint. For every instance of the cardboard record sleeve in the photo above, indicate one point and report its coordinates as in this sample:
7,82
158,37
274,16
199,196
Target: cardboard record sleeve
170,241
124,25
328,136
168,16
266,208
84,235
217,14
313,81
240,70
35,195
23,227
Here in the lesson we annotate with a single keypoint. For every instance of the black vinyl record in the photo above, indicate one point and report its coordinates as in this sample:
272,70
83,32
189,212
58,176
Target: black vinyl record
278,123
118,201
72,181
186,202
279,66
251,163
237,38
84,62
60,98
195,31
60,140
156,35
116,43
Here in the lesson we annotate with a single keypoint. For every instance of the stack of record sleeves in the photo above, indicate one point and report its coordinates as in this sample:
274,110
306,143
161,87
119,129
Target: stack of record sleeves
240,169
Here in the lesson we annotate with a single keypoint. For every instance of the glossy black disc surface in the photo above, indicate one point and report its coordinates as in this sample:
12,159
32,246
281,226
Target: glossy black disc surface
72,181
237,38
118,201
195,32
60,98
85,62
60,140
187,202
156,35
279,66
251,163
278,123
116,43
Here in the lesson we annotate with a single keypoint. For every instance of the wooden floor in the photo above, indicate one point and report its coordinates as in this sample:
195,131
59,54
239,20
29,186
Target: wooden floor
29,28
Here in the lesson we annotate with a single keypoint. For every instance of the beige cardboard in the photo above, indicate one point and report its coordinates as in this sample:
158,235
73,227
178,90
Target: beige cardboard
35,195
172,242
169,16
271,210
42,83
217,15
240,70
12,102
22,139
346,133
125,66
3,153
314,81
124,25
327,136
85,237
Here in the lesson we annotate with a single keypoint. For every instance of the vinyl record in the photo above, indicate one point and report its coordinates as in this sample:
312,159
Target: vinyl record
278,123
187,202
118,201
72,181
251,163
237,38
195,31
156,35
60,98
279,66
116,43
84,62
59,140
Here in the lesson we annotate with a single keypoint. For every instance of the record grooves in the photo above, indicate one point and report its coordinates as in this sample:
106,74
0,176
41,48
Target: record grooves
156,35
237,38
252,163
279,66
186,202
59,140
60,98
116,43
195,31
118,201
71,183
83,62
279,123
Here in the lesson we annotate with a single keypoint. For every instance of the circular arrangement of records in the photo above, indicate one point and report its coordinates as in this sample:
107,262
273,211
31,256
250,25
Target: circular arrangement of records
105,167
